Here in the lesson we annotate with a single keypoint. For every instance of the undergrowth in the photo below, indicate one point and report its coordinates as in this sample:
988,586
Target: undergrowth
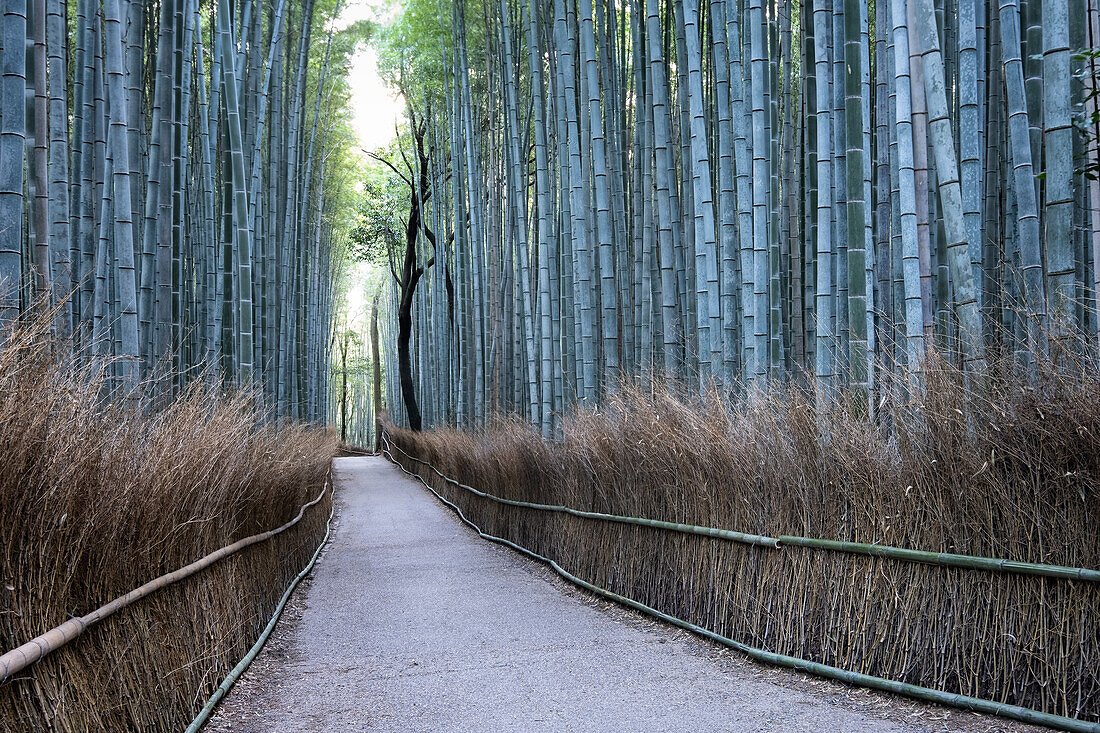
1015,474
100,495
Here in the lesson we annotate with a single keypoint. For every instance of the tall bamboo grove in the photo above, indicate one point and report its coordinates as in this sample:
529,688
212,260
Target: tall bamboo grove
172,187
746,193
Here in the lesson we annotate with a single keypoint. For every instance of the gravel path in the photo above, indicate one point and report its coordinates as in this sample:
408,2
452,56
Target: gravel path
411,622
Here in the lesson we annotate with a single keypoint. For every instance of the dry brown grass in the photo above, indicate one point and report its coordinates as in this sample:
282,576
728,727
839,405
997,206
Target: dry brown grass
98,498
1015,475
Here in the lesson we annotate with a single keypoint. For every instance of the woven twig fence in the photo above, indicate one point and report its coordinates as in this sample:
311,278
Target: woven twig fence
1020,635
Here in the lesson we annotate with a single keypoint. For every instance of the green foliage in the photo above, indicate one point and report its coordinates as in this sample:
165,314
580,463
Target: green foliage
351,353
415,49
383,208
409,48
378,224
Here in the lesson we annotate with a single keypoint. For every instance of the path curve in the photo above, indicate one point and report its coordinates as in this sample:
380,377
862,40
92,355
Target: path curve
411,622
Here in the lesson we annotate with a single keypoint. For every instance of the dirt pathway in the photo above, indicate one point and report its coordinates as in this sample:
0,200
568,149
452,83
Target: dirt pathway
411,622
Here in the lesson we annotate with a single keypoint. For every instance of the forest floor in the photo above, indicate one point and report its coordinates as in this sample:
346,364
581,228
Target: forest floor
411,622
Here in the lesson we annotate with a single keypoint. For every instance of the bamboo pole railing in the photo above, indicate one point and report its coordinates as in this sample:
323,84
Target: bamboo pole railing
34,650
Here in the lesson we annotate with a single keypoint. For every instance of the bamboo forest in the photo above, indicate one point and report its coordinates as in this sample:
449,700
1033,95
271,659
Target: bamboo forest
767,328
172,187
745,194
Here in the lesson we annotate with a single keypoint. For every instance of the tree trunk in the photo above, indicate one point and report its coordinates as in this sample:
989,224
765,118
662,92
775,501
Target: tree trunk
376,359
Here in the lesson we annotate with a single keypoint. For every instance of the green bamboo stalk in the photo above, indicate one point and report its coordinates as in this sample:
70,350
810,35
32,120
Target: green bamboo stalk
947,173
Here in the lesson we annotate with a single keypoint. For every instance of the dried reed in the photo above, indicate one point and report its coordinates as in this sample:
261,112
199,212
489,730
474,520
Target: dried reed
98,497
